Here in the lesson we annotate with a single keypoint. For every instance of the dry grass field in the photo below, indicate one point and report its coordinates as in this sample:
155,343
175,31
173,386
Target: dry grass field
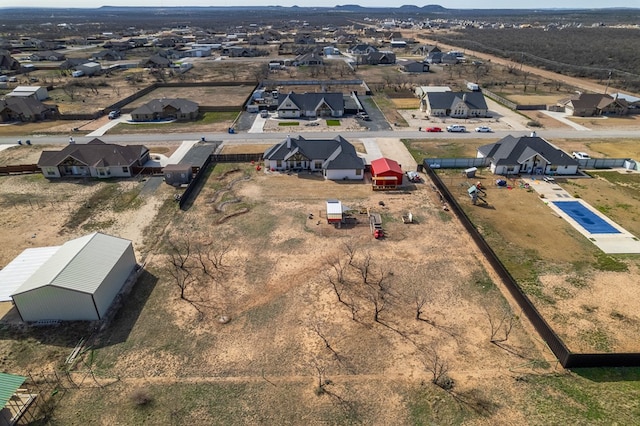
202,95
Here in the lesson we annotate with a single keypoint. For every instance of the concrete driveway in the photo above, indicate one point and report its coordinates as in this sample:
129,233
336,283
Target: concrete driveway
112,123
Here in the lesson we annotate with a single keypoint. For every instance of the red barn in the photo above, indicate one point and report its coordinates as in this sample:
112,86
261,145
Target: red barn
385,174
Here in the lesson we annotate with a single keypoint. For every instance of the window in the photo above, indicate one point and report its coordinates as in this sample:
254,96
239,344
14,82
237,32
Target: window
51,173
125,170
279,164
358,172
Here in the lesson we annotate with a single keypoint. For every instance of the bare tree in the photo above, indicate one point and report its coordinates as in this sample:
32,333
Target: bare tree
438,366
71,90
501,325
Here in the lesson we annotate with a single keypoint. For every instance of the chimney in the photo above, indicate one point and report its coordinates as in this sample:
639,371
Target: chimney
464,98
288,141
533,134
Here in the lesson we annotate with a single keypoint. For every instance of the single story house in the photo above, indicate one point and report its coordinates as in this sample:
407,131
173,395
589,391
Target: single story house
159,109
335,158
527,155
25,109
39,93
95,159
155,61
386,174
296,105
593,104
454,104
47,55
382,57
78,282
362,49
413,66
309,59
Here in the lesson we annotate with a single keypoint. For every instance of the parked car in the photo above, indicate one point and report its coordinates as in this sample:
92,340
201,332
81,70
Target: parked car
456,128
581,156
433,129
114,114
363,115
484,129
264,113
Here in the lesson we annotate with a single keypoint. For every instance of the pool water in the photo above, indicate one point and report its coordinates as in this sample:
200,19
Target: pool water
593,223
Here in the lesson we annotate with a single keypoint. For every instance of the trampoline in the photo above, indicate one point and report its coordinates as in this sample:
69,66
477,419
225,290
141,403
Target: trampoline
590,221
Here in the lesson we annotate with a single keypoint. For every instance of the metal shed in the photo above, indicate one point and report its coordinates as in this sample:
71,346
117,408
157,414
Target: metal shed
79,282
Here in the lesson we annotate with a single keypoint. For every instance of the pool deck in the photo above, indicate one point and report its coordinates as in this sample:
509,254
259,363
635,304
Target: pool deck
551,192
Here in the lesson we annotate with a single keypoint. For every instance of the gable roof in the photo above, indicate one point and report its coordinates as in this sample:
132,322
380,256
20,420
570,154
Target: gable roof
185,106
95,154
311,101
382,165
337,153
79,265
27,107
511,150
446,100
591,100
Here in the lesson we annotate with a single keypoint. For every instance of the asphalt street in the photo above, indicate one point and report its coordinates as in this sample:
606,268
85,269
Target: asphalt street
249,138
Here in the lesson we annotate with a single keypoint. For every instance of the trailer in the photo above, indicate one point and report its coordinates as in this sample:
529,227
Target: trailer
375,224
334,212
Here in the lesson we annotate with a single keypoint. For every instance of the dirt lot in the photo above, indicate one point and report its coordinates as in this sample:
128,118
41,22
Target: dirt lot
202,95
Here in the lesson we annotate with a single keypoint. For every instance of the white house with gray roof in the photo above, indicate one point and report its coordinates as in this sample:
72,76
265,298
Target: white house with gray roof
335,158
78,282
527,155
295,105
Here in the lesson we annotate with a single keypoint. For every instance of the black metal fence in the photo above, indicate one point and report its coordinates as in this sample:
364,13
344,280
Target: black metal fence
194,186
566,358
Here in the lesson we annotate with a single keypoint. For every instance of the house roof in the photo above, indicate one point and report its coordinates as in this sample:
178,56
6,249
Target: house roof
446,100
80,265
382,165
590,101
336,154
311,101
95,154
511,150
25,106
185,106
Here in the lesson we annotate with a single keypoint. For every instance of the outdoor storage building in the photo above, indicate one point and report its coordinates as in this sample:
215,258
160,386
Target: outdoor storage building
334,211
386,174
78,282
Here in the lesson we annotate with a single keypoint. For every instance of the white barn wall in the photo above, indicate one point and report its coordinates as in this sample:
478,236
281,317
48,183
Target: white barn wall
55,303
113,282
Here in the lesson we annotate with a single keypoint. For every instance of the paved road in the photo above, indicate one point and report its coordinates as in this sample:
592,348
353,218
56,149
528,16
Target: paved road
249,138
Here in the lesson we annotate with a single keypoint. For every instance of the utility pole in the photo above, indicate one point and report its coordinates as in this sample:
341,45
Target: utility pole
608,81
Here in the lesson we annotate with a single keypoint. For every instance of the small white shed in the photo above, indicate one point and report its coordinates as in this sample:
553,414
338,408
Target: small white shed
78,282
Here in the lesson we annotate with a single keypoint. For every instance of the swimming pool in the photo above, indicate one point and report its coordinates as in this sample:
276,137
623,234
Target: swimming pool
585,217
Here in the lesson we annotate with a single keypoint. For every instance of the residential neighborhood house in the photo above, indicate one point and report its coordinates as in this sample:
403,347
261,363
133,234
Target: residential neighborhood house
335,158
25,109
296,105
454,104
95,159
163,109
593,104
527,155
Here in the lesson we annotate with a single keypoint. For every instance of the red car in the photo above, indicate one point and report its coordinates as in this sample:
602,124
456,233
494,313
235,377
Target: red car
432,129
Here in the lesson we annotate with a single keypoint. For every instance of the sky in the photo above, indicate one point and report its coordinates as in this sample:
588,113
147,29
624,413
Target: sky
454,4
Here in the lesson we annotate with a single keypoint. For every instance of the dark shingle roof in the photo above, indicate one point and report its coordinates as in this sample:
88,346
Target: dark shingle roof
95,154
24,106
511,150
445,100
335,153
158,105
311,101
